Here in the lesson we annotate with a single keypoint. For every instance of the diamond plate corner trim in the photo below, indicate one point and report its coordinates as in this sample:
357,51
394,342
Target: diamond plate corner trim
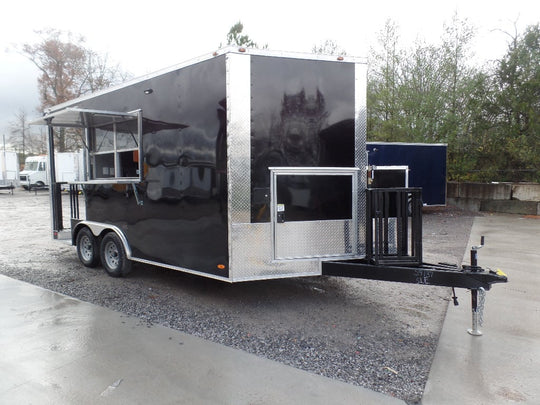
238,136
360,158
238,89
253,256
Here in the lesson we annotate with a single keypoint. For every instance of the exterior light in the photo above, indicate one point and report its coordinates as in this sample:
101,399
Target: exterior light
148,91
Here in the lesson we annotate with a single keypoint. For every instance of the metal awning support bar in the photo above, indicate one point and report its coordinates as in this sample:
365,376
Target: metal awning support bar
55,191
74,117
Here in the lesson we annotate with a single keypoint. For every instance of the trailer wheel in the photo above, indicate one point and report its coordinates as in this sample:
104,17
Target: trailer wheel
113,256
87,248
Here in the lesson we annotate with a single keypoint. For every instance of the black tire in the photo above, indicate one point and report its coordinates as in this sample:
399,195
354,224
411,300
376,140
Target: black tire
113,256
87,248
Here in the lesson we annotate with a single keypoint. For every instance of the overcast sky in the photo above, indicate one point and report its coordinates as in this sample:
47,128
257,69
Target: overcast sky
146,36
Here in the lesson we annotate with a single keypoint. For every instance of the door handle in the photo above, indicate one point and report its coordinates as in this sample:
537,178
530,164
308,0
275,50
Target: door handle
280,217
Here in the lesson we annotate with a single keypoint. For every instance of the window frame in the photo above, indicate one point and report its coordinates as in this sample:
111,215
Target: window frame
92,175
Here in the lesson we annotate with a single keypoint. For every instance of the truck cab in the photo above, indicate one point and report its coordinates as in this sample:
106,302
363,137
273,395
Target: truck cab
34,173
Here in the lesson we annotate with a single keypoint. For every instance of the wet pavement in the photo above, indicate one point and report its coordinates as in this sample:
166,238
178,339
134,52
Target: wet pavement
502,366
56,349
59,350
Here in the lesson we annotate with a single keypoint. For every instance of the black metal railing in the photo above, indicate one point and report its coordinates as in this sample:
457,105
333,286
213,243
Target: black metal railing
74,200
394,226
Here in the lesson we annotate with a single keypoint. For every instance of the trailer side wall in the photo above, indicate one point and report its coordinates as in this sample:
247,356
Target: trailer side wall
183,219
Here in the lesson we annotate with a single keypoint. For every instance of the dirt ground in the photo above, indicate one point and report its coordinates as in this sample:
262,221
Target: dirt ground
380,335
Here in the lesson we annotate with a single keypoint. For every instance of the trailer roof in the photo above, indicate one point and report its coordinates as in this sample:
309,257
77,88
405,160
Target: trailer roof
230,49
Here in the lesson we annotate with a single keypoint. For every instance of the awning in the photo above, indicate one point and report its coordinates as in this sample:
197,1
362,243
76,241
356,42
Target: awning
83,118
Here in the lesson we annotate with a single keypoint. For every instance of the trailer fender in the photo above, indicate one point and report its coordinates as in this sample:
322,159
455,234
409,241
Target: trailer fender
99,229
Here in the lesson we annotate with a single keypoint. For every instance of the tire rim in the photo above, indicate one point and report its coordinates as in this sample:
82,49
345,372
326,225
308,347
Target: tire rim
111,255
87,252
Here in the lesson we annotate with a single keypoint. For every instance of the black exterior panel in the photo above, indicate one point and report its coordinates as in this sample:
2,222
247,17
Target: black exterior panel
183,219
302,114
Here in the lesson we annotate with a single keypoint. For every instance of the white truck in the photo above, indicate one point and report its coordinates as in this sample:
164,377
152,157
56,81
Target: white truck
9,170
69,167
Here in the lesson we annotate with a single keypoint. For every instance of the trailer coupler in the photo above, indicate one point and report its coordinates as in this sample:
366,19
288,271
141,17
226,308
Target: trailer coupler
472,277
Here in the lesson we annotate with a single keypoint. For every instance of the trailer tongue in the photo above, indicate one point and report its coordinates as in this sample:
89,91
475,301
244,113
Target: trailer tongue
441,274
394,252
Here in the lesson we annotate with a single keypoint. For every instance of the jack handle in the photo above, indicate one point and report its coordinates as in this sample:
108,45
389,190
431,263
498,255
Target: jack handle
474,254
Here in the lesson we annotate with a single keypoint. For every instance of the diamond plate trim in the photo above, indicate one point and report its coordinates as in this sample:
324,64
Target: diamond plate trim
305,240
360,155
253,256
238,136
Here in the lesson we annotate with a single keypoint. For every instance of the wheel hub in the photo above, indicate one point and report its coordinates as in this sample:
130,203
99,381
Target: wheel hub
111,255
86,248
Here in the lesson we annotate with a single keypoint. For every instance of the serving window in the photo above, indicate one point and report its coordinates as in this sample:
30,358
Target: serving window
112,142
114,150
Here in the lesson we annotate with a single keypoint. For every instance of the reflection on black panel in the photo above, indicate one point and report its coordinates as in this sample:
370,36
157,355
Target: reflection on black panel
302,115
183,218
313,198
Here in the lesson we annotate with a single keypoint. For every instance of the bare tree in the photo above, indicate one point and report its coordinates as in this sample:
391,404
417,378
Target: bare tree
23,139
68,69
328,47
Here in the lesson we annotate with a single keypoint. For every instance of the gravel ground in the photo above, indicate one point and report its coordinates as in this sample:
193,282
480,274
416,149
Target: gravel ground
378,335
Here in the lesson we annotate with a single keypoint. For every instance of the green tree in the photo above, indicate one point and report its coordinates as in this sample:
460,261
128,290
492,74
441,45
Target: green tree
516,107
421,94
463,84
235,37
418,94
383,83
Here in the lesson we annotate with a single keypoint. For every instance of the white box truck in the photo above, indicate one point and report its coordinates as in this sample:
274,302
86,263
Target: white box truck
9,170
69,167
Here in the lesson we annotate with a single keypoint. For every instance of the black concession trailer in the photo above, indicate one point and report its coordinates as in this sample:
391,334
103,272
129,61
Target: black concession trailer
426,164
241,165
